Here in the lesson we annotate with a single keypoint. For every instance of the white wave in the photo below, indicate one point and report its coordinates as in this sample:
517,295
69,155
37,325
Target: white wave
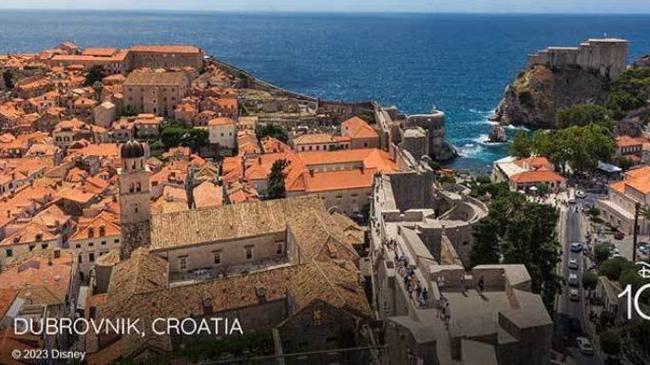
470,150
517,127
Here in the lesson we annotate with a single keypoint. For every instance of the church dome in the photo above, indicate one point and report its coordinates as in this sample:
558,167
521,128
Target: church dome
132,149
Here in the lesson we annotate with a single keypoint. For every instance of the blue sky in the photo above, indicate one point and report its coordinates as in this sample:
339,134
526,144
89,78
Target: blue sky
473,6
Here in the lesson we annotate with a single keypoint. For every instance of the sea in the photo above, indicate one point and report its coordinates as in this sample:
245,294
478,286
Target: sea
458,63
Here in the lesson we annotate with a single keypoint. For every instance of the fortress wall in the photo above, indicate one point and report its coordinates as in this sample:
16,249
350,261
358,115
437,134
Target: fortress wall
606,56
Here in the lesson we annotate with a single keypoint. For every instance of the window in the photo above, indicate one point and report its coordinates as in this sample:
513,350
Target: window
31,247
80,259
183,263
91,244
217,258
39,237
279,248
102,231
77,246
44,246
117,240
91,257
9,252
249,252
103,242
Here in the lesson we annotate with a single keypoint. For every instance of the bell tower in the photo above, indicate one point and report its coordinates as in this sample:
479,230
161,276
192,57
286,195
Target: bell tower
135,198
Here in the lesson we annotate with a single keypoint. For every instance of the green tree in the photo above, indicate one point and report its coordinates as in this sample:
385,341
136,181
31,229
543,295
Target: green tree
630,276
613,268
8,79
272,130
518,231
175,135
95,74
601,253
582,115
610,343
589,280
581,147
521,145
276,187
485,249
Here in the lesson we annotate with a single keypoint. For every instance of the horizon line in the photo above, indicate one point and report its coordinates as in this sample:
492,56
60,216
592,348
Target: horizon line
339,12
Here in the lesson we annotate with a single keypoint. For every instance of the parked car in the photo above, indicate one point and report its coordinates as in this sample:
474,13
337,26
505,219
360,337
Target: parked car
574,295
619,235
573,279
585,346
576,247
573,264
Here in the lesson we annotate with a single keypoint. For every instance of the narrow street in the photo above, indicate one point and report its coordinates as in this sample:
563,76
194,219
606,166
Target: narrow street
573,309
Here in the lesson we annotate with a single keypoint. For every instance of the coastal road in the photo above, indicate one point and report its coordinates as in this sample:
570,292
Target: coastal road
573,309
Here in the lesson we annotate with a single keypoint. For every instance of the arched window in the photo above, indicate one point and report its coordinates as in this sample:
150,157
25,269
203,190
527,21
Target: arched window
91,232
138,187
131,188
102,231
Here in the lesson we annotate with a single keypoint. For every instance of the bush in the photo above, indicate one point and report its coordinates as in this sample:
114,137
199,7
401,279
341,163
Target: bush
613,268
610,343
583,114
589,280
601,253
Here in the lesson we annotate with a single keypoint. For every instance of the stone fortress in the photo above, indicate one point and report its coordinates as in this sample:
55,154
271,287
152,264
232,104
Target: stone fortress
607,56
410,138
421,235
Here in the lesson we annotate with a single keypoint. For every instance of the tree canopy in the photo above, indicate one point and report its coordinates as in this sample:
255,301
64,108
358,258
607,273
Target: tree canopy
95,74
521,145
519,231
8,79
175,135
272,130
582,115
276,187
579,147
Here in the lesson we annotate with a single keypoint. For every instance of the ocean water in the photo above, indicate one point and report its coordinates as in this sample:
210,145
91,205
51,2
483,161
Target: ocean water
457,63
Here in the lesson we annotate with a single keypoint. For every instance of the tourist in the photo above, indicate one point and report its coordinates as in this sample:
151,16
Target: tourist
462,284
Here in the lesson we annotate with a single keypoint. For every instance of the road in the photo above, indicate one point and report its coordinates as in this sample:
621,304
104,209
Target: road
573,309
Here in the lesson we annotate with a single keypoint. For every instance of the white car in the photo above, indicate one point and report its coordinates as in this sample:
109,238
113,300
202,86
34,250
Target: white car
573,264
574,295
585,346
573,280
580,194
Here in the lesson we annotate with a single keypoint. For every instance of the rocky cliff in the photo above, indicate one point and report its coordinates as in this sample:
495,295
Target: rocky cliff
536,95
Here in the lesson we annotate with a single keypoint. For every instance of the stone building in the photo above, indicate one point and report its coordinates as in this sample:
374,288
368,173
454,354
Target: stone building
155,93
420,239
619,207
607,56
392,130
222,131
135,197
165,56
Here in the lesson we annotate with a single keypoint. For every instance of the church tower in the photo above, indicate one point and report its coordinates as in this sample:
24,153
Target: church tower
135,205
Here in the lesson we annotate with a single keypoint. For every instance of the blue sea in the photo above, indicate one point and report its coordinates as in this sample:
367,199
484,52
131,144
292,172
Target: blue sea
459,63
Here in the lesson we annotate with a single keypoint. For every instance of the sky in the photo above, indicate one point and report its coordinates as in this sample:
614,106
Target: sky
425,6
